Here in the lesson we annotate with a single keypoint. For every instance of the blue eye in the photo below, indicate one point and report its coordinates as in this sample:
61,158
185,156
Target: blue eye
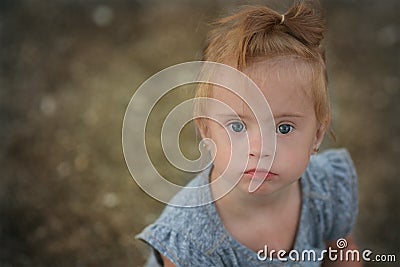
284,128
237,127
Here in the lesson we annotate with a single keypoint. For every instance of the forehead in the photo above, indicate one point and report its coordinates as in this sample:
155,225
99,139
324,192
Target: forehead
285,83
283,73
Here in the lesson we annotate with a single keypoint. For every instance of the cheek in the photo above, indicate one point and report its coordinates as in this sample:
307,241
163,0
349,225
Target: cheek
221,139
293,149
291,162
230,154
219,135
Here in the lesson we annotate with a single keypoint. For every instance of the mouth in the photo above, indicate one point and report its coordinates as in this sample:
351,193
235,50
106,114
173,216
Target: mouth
259,174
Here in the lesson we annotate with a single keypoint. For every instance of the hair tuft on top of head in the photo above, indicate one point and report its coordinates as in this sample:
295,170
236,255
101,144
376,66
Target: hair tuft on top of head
306,24
258,31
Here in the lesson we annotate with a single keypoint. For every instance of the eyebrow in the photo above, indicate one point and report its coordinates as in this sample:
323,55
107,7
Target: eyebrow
245,116
231,115
288,115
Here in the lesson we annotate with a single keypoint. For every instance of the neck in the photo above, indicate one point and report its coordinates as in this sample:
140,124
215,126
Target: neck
240,204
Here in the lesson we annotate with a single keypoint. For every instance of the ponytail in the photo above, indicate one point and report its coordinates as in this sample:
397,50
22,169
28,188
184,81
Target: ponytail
263,32
305,24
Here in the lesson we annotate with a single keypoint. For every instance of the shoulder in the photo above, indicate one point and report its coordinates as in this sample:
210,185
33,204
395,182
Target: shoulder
331,179
330,173
184,234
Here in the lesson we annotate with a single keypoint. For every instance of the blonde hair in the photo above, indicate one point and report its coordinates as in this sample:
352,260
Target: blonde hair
258,32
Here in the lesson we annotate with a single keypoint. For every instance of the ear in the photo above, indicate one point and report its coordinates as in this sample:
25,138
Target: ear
319,137
202,127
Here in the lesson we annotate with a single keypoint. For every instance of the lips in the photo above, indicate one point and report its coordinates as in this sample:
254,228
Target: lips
259,173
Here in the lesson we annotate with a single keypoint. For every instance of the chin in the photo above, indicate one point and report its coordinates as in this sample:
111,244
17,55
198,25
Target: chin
264,189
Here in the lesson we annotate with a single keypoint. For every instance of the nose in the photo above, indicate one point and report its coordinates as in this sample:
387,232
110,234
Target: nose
260,146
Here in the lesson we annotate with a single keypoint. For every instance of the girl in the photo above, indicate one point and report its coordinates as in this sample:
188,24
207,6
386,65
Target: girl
304,202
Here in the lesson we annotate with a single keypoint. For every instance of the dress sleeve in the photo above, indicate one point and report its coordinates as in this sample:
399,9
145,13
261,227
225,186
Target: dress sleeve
178,247
344,196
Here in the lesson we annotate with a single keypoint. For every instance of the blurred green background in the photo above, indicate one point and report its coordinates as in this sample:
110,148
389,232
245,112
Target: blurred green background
68,71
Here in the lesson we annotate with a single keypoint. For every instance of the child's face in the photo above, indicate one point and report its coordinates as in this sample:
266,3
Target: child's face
287,88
